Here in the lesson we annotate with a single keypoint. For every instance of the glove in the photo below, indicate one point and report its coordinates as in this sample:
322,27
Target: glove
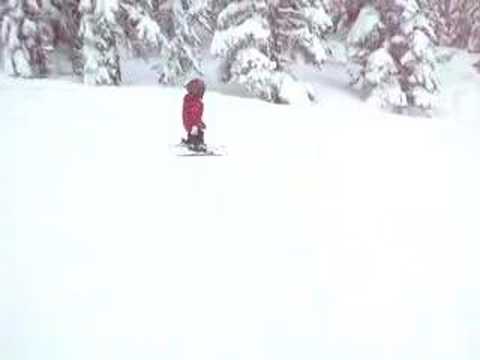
194,131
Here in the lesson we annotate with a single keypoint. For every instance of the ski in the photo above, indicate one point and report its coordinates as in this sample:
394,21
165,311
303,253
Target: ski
184,150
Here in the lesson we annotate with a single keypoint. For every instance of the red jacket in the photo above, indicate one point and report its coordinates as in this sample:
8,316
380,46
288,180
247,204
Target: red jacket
192,112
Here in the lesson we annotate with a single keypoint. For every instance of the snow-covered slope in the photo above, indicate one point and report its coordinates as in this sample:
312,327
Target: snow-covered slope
332,231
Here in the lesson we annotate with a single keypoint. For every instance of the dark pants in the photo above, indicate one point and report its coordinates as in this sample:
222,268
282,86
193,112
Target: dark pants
196,140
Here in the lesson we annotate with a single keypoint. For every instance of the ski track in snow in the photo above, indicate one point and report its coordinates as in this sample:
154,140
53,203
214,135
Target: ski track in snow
333,231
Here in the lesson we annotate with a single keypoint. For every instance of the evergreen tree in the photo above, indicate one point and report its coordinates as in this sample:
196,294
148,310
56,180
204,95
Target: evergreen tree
474,36
99,33
25,38
418,62
371,66
68,34
141,34
105,25
301,29
451,20
3,12
243,41
252,38
180,55
391,52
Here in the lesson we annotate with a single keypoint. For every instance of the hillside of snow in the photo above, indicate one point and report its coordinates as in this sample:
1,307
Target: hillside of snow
333,231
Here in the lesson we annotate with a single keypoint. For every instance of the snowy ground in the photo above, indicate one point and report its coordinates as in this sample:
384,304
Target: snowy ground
328,232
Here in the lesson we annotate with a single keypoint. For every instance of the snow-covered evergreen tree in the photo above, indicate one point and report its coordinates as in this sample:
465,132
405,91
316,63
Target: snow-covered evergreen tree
382,80
243,40
68,33
105,25
366,36
391,51
474,36
99,33
3,12
418,63
451,20
140,31
252,40
180,56
371,65
25,38
300,28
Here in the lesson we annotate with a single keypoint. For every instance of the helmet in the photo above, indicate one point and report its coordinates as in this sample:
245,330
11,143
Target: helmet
196,87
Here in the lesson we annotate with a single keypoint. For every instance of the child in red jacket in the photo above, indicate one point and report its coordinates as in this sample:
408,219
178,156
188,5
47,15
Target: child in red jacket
192,114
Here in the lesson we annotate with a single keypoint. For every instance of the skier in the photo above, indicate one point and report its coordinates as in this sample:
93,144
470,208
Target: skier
192,115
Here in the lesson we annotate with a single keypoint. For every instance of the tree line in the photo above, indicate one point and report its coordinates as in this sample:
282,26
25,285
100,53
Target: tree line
391,44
